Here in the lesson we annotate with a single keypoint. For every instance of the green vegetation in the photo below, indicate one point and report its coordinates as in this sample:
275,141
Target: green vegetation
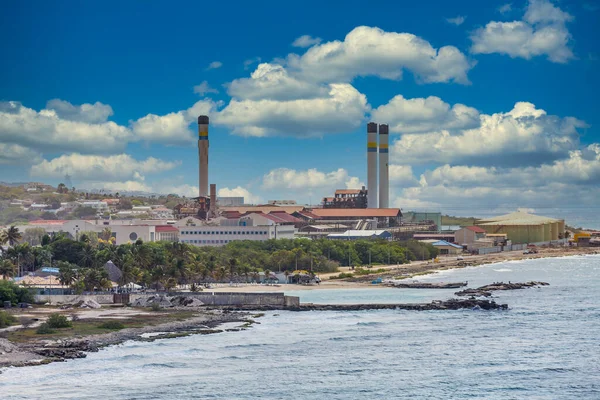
362,271
6,319
112,325
342,275
44,329
461,221
155,307
58,321
165,265
13,293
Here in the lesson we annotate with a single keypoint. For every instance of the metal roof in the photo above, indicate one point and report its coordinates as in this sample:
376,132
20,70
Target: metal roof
357,212
444,243
517,218
475,229
365,233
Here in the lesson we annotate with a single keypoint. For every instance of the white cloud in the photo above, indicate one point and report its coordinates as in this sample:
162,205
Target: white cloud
342,110
250,61
45,130
172,128
505,8
181,190
272,81
13,154
214,65
368,51
100,168
542,31
306,41
401,175
459,20
96,113
239,191
284,178
127,186
424,115
204,88
524,135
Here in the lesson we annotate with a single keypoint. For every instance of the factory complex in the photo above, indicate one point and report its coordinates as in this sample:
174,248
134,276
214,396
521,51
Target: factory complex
350,214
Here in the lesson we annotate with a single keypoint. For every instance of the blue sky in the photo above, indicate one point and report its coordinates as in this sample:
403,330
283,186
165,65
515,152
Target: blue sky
489,107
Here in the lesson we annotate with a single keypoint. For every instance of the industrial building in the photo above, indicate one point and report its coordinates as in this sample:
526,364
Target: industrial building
521,227
347,198
223,231
358,235
468,235
447,248
383,217
230,201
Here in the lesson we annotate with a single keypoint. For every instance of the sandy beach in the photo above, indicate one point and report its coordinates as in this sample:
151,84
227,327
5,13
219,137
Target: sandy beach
416,268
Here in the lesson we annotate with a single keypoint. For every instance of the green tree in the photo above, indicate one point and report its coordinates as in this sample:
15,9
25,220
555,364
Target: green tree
7,269
67,273
33,236
12,236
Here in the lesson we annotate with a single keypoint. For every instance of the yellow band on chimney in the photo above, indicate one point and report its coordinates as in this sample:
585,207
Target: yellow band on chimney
202,133
383,146
371,145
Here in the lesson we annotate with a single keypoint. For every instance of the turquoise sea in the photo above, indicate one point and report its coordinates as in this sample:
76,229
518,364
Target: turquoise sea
546,346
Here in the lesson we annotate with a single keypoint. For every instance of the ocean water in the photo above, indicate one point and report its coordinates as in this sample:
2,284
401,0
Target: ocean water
545,347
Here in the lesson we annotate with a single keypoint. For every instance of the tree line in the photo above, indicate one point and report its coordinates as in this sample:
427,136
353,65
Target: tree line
168,264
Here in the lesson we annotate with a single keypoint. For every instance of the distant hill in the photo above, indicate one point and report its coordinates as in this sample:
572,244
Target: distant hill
460,221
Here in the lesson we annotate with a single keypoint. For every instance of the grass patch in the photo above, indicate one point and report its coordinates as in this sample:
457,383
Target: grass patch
44,329
362,271
112,325
6,319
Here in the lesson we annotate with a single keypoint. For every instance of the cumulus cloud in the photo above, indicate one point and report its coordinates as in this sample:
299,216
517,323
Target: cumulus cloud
420,115
505,8
459,20
401,175
310,179
550,185
239,191
46,130
542,31
523,136
342,110
272,81
13,154
204,88
100,168
306,41
249,62
126,186
368,51
91,113
214,65
172,128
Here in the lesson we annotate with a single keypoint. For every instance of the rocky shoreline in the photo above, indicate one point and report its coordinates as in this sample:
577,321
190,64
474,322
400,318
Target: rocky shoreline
40,351
486,290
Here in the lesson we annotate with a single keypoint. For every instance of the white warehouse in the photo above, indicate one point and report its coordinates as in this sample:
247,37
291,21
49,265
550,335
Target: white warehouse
198,233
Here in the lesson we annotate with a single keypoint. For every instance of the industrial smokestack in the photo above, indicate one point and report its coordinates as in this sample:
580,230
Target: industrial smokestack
203,155
372,165
384,178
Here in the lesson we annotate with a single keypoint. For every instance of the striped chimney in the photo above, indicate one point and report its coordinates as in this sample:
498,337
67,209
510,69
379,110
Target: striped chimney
203,155
372,165
384,177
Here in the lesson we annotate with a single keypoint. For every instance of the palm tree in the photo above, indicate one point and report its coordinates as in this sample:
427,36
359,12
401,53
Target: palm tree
12,236
87,256
232,264
66,273
7,269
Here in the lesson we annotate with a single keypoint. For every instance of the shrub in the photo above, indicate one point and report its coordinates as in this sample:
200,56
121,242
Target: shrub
114,325
155,307
44,329
6,319
14,293
58,321
343,275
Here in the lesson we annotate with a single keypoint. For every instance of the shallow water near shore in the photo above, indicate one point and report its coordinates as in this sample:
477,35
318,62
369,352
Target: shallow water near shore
544,347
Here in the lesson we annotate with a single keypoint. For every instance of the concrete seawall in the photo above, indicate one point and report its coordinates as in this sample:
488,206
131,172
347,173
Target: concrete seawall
208,298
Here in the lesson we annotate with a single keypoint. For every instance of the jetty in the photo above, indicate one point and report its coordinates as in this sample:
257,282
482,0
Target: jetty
426,285
486,290
452,304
